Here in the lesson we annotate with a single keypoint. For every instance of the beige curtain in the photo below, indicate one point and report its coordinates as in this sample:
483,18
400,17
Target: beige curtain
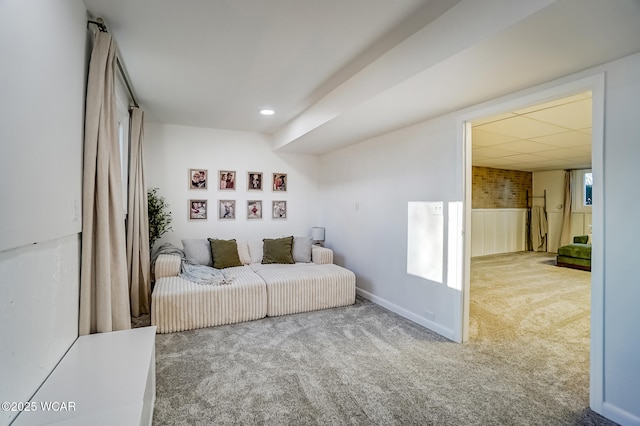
565,234
138,222
104,299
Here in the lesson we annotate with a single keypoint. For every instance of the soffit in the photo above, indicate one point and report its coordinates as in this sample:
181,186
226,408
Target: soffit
562,38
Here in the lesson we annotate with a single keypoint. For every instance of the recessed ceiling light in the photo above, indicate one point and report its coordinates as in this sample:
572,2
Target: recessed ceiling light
267,111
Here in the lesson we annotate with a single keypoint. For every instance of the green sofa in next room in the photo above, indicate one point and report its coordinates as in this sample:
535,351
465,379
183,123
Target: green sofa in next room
576,255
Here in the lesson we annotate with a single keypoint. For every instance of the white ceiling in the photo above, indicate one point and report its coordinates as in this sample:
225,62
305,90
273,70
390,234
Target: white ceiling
337,72
551,136
216,63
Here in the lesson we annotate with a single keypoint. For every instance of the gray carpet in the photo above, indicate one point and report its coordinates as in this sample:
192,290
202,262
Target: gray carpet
364,365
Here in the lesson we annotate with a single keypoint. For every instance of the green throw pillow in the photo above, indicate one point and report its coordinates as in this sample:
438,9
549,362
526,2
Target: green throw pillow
224,253
278,250
582,239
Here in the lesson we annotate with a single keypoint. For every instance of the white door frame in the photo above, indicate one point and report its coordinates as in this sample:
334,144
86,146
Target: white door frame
596,84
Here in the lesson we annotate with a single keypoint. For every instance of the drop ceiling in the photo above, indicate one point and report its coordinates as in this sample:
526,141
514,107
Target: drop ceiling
554,135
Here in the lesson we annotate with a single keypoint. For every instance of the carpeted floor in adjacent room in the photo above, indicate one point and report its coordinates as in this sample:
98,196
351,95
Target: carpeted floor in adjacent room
527,361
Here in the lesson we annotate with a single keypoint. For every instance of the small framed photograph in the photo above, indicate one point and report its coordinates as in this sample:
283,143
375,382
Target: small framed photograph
254,209
198,179
279,181
254,181
197,209
227,180
227,209
279,209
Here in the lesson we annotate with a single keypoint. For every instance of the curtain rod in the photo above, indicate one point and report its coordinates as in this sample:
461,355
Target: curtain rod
101,26
103,29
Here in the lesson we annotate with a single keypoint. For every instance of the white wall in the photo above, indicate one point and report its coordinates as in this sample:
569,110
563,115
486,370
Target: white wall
43,79
366,189
43,48
621,235
170,151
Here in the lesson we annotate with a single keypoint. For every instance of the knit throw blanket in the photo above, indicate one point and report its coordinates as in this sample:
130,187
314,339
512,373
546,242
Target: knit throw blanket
199,274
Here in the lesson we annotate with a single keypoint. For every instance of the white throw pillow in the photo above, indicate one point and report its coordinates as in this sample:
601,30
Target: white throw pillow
302,249
243,252
255,250
198,251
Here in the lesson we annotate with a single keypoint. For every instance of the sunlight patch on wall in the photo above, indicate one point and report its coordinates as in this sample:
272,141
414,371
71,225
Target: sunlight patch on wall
454,245
425,238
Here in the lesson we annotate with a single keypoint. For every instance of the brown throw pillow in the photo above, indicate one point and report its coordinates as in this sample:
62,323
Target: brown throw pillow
224,253
278,250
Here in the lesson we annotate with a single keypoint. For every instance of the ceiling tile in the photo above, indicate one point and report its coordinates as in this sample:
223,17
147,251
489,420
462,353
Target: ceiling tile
574,115
585,158
557,163
577,165
559,153
493,152
554,103
522,128
522,167
498,163
524,158
484,138
493,118
565,139
584,149
525,146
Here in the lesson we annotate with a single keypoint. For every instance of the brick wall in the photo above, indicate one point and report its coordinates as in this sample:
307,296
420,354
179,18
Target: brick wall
498,188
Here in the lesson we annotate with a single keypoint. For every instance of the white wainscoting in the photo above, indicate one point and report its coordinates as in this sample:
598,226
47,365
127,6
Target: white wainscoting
579,226
498,231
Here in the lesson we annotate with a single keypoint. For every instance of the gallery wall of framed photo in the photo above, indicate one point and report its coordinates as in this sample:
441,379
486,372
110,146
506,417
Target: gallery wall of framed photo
188,164
225,183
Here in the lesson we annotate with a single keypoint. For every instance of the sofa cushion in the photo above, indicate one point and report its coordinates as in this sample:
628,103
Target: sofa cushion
581,239
224,253
178,304
307,287
579,251
574,262
278,250
302,249
198,251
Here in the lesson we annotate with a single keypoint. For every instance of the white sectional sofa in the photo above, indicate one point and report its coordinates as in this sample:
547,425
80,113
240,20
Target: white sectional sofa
257,288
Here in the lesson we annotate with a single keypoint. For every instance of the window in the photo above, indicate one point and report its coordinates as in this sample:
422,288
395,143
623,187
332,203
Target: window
587,184
582,191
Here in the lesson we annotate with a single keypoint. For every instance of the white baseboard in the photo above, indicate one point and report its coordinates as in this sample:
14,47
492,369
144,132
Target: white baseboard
433,326
619,415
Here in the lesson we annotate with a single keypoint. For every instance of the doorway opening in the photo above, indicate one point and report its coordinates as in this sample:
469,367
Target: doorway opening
516,297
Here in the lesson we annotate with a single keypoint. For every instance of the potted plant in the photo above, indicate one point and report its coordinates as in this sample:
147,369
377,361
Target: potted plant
159,216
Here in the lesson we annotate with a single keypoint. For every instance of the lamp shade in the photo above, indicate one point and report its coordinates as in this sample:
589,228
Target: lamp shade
317,233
